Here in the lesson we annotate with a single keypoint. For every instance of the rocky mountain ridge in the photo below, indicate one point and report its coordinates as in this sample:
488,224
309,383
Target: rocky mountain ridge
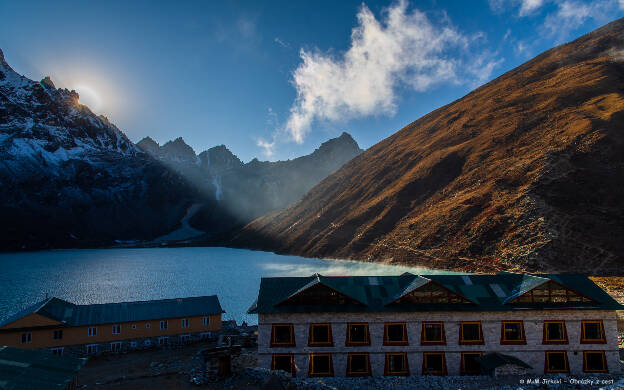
71,178
525,173
250,190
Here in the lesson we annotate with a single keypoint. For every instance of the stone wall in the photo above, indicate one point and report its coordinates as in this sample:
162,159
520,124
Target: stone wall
532,353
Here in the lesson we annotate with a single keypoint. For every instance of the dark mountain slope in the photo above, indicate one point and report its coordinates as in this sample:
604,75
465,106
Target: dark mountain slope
70,178
524,173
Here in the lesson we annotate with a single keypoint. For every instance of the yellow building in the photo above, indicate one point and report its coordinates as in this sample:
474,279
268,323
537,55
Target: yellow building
67,328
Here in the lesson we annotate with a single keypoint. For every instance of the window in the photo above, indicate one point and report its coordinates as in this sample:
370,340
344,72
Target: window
592,332
434,363
116,329
358,364
512,332
164,340
92,331
148,325
594,361
395,333
116,346
57,334
555,332
470,363
320,335
133,344
58,351
470,333
431,293
321,365
185,338
185,323
91,349
320,294
556,361
26,338
133,326
284,362
396,364
147,342
204,335
357,334
433,333
205,321
164,325
282,335
550,292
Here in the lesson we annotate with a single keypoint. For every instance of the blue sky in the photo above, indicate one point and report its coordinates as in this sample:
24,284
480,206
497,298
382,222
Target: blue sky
273,80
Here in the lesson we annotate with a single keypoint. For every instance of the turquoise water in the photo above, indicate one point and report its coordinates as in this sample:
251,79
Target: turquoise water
115,275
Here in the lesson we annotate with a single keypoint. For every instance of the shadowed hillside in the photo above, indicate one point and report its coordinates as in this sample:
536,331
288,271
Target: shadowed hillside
524,173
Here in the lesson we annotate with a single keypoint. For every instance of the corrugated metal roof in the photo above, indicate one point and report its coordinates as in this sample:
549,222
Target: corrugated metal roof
107,313
488,292
22,369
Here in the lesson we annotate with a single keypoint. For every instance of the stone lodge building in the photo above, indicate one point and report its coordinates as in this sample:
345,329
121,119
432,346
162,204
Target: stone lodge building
436,325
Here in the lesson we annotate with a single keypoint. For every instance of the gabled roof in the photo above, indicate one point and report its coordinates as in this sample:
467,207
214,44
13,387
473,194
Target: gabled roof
419,282
24,312
107,313
22,369
318,280
487,292
527,283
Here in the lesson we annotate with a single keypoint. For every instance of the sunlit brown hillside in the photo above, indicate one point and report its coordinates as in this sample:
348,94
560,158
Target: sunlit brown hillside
524,173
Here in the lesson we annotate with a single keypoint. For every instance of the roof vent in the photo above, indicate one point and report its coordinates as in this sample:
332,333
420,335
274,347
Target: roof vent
467,280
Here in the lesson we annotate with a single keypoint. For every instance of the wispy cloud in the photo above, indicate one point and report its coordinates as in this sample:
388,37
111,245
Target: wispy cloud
572,14
527,7
403,49
268,147
284,44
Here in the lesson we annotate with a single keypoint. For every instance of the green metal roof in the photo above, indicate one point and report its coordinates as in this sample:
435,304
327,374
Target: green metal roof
22,369
377,293
108,313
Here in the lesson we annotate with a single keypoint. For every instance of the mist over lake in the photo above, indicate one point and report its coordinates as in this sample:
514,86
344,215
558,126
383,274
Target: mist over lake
116,275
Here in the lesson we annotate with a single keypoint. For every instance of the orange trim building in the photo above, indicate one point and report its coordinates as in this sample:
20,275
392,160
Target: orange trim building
69,329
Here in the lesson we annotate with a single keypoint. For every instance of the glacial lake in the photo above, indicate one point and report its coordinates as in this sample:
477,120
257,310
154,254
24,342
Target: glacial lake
116,275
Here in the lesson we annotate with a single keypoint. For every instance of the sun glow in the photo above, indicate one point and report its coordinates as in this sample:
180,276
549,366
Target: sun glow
89,97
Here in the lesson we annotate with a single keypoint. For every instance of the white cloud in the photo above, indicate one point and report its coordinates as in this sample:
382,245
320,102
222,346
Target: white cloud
482,67
268,148
521,49
572,14
621,3
497,6
284,44
402,49
527,7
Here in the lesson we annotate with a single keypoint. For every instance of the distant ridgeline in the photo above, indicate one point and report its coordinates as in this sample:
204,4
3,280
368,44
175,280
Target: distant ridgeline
248,191
71,178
